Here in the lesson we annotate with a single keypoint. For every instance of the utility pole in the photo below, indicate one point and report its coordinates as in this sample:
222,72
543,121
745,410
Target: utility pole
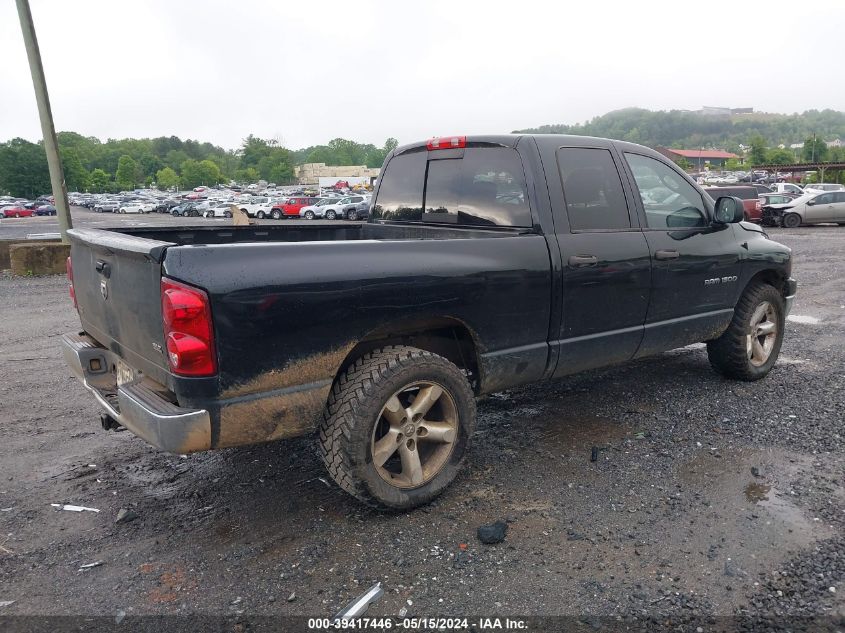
48,130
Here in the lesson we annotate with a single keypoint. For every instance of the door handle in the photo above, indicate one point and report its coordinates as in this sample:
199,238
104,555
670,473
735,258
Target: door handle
666,255
579,261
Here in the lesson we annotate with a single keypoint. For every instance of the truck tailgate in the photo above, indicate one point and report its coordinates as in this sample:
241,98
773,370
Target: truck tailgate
117,281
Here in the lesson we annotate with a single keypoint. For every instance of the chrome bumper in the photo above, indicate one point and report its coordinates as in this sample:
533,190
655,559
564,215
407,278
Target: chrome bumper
141,410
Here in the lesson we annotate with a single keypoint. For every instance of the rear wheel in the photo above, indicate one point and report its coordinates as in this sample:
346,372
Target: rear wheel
749,348
331,215
791,221
396,427
227,214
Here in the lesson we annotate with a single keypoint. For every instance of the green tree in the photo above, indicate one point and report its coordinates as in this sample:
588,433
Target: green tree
23,169
780,157
683,163
247,176
757,155
127,174
167,178
815,149
203,172
733,164
76,176
99,180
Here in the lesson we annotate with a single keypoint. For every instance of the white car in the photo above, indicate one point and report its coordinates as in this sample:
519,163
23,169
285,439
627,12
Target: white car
330,208
823,187
220,210
136,207
787,187
815,208
258,207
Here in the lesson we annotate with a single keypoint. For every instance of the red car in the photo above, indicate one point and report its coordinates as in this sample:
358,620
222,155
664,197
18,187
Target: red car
16,211
748,195
290,208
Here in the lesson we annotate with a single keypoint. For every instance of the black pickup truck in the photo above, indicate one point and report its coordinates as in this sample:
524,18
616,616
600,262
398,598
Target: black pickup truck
487,262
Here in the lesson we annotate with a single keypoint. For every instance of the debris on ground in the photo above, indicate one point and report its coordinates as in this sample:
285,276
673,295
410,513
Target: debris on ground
96,563
125,516
755,471
292,597
6,603
493,533
71,508
359,606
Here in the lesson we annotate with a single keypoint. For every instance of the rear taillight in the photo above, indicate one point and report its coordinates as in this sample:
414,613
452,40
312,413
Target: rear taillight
188,330
447,142
71,291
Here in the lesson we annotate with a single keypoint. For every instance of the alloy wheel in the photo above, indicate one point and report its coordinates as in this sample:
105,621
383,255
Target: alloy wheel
763,334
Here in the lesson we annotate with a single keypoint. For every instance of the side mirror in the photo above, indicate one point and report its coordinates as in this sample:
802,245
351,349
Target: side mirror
729,210
811,202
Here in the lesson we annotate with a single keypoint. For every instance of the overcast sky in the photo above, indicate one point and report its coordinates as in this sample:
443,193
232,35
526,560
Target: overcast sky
307,72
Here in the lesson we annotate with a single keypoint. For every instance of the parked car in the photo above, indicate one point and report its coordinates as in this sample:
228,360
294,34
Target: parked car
772,206
220,210
815,208
107,206
823,187
136,207
45,209
360,211
748,195
291,207
339,208
787,187
527,261
16,211
316,210
186,209
759,187
258,207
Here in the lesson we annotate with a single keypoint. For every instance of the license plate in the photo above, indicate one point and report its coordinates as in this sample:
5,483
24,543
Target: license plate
125,374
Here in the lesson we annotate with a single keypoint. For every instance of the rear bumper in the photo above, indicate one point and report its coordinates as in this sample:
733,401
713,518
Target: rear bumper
141,410
790,289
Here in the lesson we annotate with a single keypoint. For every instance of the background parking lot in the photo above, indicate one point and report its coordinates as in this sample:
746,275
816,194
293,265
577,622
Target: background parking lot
706,496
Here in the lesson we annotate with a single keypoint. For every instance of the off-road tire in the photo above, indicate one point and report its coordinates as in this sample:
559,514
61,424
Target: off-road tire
353,409
791,221
728,354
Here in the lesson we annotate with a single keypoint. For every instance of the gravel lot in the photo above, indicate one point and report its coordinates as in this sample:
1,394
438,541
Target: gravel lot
708,497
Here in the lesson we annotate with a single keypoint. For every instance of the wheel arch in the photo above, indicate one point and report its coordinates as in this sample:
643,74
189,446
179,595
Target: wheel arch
768,276
445,336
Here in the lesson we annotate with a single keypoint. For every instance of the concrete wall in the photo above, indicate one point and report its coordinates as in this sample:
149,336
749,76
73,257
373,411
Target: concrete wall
6,245
310,173
38,258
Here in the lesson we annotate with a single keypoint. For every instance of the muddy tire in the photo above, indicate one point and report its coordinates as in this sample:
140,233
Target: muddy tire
396,427
791,221
749,348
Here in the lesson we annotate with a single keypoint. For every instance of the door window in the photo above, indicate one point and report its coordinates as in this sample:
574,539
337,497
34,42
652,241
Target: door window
670,202
825,198
592,189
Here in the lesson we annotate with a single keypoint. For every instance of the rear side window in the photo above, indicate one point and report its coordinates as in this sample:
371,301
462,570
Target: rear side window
486,187
400,193
592,189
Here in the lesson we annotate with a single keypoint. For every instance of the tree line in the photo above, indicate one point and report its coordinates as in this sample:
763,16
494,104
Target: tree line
126,164
690,130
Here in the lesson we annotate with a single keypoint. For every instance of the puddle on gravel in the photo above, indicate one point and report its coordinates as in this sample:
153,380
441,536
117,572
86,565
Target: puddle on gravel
755,493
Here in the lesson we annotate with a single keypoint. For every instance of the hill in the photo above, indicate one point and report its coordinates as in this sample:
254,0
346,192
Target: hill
685,129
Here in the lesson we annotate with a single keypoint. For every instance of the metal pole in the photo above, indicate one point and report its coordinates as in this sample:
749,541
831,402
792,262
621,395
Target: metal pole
48,130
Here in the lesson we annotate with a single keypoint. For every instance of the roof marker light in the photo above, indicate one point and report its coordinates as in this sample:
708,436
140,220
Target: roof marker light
447,142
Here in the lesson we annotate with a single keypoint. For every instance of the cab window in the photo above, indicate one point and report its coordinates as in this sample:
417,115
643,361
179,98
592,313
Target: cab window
592,190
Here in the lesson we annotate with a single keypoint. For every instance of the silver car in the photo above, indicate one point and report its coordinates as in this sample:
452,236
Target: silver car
816,208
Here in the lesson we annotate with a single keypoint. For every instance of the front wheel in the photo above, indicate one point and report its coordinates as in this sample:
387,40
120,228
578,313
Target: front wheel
351,215
227,214
309,215
791,221
331,215
260,215
276,214
396,427
749,348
